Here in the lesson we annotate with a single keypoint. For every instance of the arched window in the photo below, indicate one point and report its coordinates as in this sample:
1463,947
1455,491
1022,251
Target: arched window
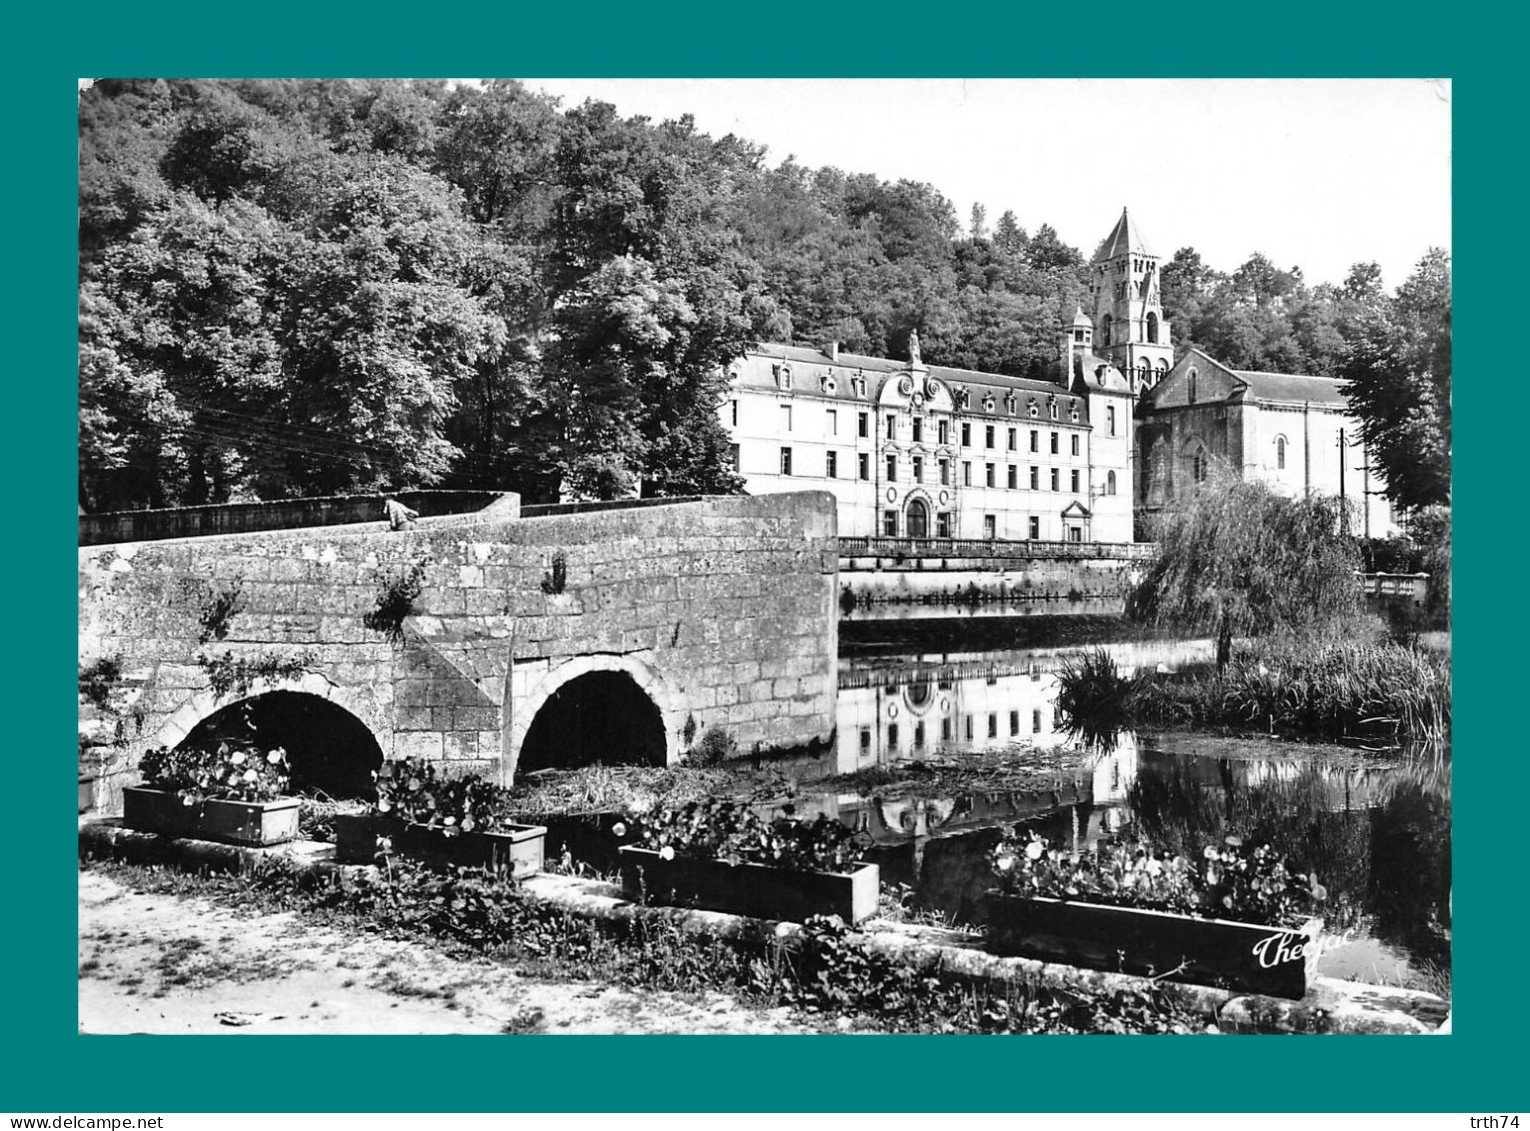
1144,370
1105,330
1280,453
1200,465
1110,482
1190,388
1152,327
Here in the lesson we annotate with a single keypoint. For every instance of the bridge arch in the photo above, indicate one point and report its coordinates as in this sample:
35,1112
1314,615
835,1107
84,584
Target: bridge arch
612,708
331,745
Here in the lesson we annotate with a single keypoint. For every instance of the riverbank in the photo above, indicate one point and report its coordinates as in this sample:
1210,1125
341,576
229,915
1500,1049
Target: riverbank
552,930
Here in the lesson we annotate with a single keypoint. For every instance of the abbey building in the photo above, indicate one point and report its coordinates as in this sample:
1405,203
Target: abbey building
926,451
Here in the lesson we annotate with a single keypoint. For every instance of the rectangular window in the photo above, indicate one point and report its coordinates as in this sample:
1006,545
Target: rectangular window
993,725
892,469
865,465
863,424
1054,443
786,418
892,736
988,475
1036,721
988,436
918,429
1075,533
1073,443
831,465
865,738
943,524
1014,723
733,407
1035,479
1014,477
918,469
890,523
966,473
945,730
1014,438
1035,528
831,422
892,427
966,435
1055,481
943,431
919,734
1035,440
1075,482
1110,418
967,726
990,527
734,456
945,473
786,461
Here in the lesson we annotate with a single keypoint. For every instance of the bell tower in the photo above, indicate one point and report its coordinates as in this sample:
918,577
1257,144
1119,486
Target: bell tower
1129,327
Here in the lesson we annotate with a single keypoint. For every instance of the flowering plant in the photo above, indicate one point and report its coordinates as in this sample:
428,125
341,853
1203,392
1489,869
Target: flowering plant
232,770
1224,882
411,790
729,831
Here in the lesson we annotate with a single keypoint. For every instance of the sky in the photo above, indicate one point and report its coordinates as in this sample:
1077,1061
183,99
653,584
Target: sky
1315,173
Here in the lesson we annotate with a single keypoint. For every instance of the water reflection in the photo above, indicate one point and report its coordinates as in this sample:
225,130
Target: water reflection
1377,833
893,710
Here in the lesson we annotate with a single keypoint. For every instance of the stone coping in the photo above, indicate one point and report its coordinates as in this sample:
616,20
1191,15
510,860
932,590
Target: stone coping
1332,1005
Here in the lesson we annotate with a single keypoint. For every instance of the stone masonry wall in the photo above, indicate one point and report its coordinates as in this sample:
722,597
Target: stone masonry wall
723,611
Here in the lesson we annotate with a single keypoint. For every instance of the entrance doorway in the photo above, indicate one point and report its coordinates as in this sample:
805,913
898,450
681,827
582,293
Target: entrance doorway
918,519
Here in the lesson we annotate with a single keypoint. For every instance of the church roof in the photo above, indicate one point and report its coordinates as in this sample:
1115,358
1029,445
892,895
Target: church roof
1124,238
1291,387
1082,319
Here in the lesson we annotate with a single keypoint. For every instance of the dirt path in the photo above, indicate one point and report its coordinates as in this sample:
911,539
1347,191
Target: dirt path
156,963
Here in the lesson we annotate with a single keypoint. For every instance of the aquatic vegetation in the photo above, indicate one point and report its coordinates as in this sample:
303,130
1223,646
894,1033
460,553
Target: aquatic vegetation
1300,687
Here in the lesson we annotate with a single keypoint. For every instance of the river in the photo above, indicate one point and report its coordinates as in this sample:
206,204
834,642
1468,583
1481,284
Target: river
1375,826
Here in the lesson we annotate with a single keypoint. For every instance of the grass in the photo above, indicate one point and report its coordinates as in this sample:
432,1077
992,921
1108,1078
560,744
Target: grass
825,974
612,789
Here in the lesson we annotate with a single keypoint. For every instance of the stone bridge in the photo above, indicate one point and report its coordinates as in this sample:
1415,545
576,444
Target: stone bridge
510,642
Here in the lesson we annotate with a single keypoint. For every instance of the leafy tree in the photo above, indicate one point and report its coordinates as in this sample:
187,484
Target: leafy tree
1237,559
1397,379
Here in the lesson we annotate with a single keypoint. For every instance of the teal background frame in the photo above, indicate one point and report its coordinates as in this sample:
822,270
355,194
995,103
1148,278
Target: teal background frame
50,1068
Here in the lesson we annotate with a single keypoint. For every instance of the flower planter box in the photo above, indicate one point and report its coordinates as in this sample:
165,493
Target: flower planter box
1181,948
517,848
87,792
757,890
233,822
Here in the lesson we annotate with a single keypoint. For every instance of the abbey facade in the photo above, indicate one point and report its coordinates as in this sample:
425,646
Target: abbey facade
926,451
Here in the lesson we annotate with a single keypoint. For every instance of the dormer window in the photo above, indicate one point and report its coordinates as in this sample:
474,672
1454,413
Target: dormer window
783,376
1052,408
829,385
1035,412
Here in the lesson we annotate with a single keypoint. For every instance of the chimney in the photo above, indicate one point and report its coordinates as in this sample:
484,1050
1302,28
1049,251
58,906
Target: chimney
832,349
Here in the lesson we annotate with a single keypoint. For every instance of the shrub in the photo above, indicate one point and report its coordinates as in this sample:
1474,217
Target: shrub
1224,881
716,746
397,593
233,769
730,831
412,790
